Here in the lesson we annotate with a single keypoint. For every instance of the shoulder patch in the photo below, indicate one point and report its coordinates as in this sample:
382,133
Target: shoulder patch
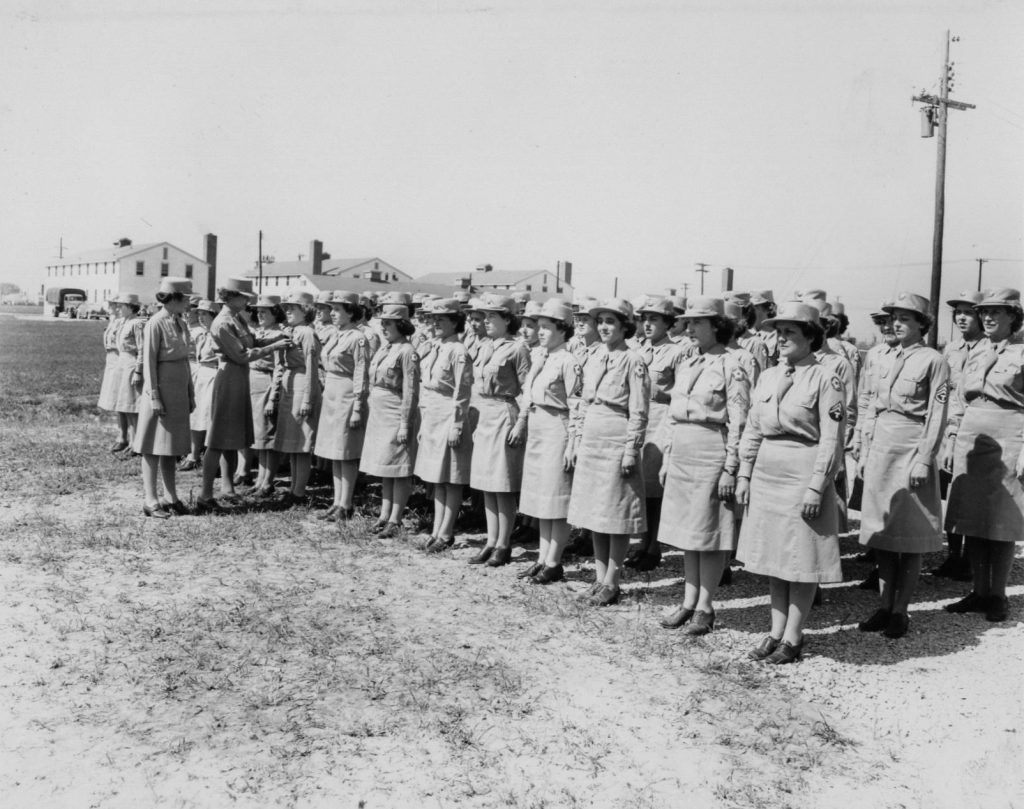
640,370
942,393
836,412
836,384
738,375
415,357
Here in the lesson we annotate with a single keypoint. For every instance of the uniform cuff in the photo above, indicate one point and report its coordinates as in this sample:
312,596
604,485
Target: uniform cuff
817,482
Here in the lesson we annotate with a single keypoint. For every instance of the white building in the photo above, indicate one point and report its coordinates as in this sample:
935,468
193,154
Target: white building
283,276
132,268
541,284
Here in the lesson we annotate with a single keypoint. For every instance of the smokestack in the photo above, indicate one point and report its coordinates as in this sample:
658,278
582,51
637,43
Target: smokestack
211,260
316,253
565,271
727,274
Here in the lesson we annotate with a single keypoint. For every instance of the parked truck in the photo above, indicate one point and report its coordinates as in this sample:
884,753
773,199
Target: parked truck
64,300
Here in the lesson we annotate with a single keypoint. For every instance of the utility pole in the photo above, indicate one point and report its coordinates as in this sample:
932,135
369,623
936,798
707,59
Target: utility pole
702,268
937,112
259,264
686,289
61,247
980,262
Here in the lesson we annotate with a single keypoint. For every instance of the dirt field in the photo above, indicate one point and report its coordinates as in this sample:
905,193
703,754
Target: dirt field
266,659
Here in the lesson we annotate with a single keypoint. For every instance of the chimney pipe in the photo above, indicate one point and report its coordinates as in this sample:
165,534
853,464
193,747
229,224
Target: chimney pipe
211,261
316,253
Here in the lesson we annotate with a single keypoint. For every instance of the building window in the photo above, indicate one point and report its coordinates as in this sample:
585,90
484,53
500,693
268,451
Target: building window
188,270
376,265
140,267
355,275
164,269
529,287
165,254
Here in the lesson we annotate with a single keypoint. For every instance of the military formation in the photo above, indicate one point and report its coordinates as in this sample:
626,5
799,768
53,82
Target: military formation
735,429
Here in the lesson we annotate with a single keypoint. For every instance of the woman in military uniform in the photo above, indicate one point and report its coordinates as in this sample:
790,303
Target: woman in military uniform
111,371
700,439
901,514
129,364
608,496
986,497
265,393
790,452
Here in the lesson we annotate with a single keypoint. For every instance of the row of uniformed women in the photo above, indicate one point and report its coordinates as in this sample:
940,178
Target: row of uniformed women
122,371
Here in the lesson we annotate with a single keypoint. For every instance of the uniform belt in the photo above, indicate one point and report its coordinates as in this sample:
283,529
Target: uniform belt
989,403
610,406
907,416
503,398
661,398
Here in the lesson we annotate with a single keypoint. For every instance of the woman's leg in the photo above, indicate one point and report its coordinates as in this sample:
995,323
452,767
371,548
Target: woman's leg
401,488
227,472
133,422
387,490
198,436
908,570
801,599
167,477
1001,556
122,425
336,478
301,463
211,461
452,504
558,539
778,591
981,565
601,546
150,464
491,514
888,564
440,498
505,503
692,582
618,545
712,563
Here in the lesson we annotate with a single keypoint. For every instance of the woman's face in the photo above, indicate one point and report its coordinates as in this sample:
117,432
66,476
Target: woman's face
793,345
996,321
700,330
529,331
237,303
390,329
584,326
444,327
293,314
495,325
176,306
477,322
265,317
549,335
324,314
965,318
206,318
609,328
655,327
906,326
339,317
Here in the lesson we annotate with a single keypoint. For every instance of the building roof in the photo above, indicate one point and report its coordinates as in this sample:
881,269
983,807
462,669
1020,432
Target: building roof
479,278
114,253
330,266
333,282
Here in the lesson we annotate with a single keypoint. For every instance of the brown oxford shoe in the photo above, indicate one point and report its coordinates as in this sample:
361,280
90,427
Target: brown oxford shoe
675,619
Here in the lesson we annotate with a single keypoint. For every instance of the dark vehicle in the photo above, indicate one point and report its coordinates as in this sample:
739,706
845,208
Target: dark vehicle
64,301
92,311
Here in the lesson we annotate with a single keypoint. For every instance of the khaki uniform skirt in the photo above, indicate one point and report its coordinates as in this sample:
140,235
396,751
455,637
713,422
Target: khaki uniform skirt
336,440
202,381
167,434
602,499
546,485
297,433
260,391
127,396
230,409
775,539
652,456
436,462
692,516
383,456
986,498
109,385
893,516
495,466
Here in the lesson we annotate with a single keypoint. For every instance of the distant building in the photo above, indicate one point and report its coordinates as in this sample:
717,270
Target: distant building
540,283
301,274
125,269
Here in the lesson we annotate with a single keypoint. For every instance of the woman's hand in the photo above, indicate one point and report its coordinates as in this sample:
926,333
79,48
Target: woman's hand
402,436
158,406
947,457
191,404
268,411
726,486
355,420
1020,465
516,434
663,475
918,475
628,465
743,491
454,436
305,410
811,506
135,379
568,457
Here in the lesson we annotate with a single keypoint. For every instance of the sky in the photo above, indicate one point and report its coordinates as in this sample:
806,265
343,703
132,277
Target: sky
633,139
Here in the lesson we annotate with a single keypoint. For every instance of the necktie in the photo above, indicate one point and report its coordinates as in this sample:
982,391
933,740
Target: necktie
602,370
897,367
696,368
785,383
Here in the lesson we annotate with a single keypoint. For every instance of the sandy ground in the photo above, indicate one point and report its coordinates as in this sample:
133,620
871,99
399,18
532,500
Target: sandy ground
207,662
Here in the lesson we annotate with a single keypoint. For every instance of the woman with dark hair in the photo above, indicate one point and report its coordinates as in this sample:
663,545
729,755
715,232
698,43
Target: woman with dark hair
958,350
129,365
389,450
790,451
739,309
661,355
552,389
342,419
496,467
700,444
111,372
445,442
203,374
901,514
608,495
986,497
298,411
167,398
230,428
265,393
